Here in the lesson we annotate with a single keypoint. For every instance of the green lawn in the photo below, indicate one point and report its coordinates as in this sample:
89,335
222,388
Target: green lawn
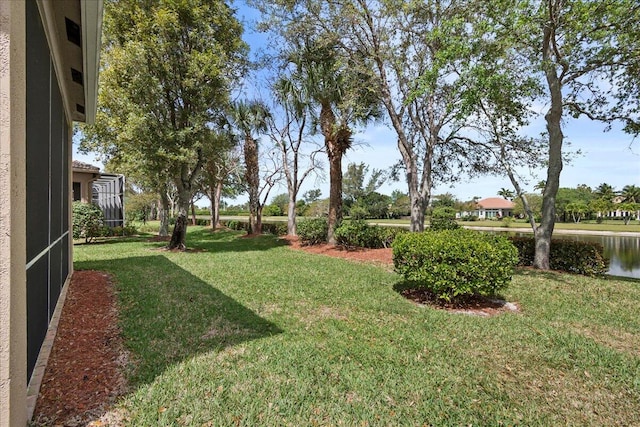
250,332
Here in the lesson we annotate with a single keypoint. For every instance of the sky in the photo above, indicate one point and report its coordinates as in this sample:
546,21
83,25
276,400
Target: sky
611,157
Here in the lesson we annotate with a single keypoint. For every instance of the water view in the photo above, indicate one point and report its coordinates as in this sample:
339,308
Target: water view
623,252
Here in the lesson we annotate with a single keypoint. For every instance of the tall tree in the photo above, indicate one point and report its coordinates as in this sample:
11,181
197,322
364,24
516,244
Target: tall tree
250,120
167,68
605,191
355,187
630,194
290,133
338,101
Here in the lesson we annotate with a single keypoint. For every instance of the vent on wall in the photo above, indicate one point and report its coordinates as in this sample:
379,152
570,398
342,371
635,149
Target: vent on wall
76,76
73,32
80,108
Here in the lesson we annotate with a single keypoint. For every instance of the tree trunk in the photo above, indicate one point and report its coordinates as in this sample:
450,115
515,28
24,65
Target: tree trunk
335,196
258,226
194,219
163,215
291,216
554,129
179,235
215,196
252,176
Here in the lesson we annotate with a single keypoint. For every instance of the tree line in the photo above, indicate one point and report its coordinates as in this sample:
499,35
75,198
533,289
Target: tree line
454,80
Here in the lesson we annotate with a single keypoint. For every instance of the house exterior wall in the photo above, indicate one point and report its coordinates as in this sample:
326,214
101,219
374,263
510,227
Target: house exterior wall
13,328
85,180
48,144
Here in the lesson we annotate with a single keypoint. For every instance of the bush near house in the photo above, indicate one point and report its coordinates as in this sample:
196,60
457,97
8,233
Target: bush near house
444,218
585,258
455,263
88,221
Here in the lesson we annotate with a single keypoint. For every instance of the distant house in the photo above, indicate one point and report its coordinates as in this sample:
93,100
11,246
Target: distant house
84,175
105,190
491,208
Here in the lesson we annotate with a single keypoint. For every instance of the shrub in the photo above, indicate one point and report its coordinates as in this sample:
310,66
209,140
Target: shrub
313,231
272,210
443,218
585,258
87,221
234,224
275,228
506,221
357,233
362,235
454,263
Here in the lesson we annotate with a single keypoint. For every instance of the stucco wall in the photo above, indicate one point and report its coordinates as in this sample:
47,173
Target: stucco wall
13,373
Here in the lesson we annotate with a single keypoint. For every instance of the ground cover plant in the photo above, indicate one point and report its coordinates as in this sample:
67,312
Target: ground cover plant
247,331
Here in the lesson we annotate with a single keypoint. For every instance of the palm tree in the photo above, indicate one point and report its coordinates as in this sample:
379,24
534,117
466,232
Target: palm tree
630,194
249,118
605,191
506,193
343,101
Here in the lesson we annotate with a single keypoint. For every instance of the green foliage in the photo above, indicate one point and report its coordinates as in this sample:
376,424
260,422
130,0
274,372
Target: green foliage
357,233
313,231
237,225
444,218
585,258
272,210
87,221
454,263
275,228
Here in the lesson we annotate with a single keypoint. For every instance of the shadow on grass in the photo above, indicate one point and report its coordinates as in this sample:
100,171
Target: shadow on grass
206,239
168,315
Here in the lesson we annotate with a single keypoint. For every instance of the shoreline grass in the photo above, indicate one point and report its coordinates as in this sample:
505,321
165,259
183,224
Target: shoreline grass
250,332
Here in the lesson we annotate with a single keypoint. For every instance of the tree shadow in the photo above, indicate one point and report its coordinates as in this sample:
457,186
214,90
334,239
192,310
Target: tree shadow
168,315
208,240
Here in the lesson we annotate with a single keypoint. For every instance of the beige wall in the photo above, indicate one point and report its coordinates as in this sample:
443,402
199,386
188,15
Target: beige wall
85,180
13,341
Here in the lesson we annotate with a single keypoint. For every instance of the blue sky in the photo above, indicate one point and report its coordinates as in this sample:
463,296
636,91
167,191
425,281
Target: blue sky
612,157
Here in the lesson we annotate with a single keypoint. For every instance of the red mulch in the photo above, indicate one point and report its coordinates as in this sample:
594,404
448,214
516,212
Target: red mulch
84,374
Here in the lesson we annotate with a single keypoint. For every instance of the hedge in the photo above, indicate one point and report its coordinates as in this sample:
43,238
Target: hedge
572,256
455,263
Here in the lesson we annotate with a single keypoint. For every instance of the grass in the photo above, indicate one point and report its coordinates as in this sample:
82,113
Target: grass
250,332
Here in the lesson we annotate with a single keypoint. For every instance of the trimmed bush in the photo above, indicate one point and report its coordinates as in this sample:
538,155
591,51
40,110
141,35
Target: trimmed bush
87,221
275,228
454,263
443,218
313,231
585,258
357,233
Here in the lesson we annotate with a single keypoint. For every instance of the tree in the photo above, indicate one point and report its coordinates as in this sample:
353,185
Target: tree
250,118
353,181
167,71
506,193
311,196
582,51
222,171
577,210
337,99
605,191
630,194
290,134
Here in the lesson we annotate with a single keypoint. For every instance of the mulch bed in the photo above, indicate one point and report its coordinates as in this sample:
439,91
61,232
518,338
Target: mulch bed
84,374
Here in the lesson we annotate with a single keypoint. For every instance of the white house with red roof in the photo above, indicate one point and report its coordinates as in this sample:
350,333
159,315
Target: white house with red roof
492,208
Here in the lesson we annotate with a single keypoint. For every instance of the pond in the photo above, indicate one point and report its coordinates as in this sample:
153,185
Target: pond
623,252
